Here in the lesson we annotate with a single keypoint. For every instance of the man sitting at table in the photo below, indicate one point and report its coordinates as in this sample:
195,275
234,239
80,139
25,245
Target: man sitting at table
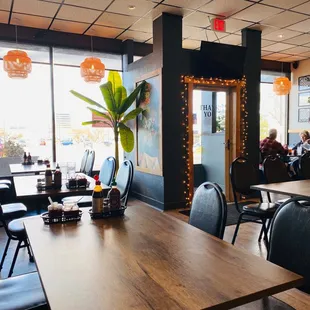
270,146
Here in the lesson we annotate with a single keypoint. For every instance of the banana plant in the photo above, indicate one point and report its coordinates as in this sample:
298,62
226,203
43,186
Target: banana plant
114,113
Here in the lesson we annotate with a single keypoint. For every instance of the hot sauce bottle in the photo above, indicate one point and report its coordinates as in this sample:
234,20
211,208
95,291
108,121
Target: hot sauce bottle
97,197
114,196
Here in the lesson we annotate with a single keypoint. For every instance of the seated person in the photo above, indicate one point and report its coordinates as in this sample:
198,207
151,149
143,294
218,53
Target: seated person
270,146
304,137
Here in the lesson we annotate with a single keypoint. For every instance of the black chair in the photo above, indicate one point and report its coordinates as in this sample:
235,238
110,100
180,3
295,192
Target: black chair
209,209
83,161
15,230
106,175
124,180
22,292
243,174
304,166
90,163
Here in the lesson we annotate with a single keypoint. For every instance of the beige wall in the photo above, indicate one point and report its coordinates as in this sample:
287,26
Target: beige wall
294,125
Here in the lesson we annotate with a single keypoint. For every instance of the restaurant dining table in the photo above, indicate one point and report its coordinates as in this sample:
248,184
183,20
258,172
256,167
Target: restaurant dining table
147,260
25,188
293,188
33,169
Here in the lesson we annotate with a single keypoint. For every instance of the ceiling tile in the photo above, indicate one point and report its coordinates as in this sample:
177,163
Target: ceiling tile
231,39
30,21
263,28
307,54
276,56
77,14
168,9
191,44
266,43
144,24
297,50
233,25
225,7
197,19
189,4
4,17
67,26
303,8
284,4
106,32
90,4
278,47
116,20
293,58
190,31
281,35
123,7
5,5
150,41
35,7
299,40
56,1
284,19
265,53
207,35
257,12
302,26
137,36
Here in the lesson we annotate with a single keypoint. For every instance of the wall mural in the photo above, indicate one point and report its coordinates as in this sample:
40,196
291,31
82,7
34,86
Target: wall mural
304,99
148,126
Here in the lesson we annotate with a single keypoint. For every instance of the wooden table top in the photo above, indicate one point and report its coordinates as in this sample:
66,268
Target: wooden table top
292,188
25,187
35,168
147,260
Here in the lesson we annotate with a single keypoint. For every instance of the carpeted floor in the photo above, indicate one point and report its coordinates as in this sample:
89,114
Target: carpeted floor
232,213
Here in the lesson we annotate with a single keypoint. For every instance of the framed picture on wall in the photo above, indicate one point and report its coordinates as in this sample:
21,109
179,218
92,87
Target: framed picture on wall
304,83
304,99
304,115
149,126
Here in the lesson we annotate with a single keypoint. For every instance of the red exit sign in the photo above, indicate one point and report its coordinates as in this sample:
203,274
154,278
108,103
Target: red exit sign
218,25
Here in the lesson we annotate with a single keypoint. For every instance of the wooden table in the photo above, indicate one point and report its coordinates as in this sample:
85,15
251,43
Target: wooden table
147,260
292,188
25,187
35,168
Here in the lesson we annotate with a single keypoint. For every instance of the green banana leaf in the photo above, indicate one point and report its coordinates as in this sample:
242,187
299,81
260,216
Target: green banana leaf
120,95
127,102
132,115
115,79
102,114
107,93
87,100
127,138
96,122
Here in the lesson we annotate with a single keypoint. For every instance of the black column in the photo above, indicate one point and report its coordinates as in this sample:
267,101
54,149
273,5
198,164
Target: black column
251,39
128,53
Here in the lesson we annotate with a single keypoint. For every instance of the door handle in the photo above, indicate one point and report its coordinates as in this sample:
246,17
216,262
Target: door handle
227,144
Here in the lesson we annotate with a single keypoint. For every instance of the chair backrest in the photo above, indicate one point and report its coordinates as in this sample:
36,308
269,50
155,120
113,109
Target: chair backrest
304,165
90,163
242,175
289,239
124,179
275,170
107,170
209,209
83,162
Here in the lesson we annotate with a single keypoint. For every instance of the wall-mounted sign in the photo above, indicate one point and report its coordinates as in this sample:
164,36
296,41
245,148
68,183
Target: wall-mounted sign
206,110
304,83
304,99
304,115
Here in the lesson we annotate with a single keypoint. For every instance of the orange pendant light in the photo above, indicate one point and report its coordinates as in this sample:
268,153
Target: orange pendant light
17,64
92,70
282,86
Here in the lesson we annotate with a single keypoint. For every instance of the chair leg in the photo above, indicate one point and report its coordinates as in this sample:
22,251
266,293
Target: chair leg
260,234
237,228
31,259
265,234
14,258
4,253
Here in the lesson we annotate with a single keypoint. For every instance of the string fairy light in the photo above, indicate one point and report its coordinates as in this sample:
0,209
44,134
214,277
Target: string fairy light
185,80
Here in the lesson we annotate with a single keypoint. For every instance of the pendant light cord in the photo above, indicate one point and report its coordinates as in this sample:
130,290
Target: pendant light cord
16,33
91,43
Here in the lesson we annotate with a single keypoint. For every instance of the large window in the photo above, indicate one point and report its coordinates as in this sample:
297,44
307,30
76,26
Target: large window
26,107
273,108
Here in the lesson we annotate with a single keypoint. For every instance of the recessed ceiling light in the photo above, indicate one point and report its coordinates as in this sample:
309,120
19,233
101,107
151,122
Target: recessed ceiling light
131,7
280,36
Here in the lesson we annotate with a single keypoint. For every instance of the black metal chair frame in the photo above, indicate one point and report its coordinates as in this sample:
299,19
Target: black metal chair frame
250,217
124,199
301,159
22,243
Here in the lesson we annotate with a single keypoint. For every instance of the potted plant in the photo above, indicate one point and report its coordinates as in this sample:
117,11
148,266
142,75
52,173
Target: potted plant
114,113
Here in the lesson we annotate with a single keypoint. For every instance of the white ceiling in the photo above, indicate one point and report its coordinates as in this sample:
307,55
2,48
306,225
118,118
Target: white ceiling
285,24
